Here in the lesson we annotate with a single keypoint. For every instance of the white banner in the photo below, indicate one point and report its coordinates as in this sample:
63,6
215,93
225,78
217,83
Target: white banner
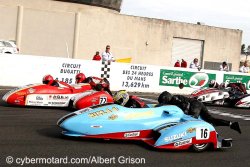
134,77
20,70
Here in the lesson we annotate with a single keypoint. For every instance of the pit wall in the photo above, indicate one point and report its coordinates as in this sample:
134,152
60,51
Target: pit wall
19,70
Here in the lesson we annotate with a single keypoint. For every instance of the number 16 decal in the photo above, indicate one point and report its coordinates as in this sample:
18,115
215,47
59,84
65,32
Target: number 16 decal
202,133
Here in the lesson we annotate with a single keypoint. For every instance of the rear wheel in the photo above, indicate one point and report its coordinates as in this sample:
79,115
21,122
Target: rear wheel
200,147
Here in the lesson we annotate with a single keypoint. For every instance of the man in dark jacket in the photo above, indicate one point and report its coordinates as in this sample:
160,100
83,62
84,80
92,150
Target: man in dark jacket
195,108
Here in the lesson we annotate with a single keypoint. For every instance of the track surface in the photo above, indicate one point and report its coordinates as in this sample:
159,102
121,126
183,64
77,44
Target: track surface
32,133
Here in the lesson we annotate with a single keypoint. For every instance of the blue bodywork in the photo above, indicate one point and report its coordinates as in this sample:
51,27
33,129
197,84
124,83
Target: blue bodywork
169,122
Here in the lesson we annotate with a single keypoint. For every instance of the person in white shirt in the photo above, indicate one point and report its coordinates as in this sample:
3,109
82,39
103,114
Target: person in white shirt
244,68
195,64
224,67
107,55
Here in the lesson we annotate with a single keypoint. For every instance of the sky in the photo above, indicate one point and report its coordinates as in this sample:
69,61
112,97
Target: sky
219,13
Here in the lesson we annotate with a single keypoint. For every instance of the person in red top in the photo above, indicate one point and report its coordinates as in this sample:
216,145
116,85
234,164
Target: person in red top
183,63
97,56
177,64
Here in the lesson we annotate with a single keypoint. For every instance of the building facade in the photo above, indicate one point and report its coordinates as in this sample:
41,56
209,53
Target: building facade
63,29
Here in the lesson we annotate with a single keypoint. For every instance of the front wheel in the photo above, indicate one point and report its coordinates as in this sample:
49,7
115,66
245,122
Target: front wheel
200,147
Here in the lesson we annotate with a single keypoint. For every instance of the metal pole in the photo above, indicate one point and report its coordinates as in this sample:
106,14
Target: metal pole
76,34
19,26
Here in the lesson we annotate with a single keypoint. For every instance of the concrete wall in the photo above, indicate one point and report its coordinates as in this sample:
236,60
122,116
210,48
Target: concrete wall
46,33
8,17
111,4
55,28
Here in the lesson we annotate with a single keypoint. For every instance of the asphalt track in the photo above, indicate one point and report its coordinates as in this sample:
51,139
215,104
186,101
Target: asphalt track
32,133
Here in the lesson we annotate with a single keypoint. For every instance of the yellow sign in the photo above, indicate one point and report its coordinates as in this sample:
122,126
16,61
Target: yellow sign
124,60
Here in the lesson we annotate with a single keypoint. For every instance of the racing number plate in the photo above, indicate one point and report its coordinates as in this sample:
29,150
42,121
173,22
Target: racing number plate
202,133
103,100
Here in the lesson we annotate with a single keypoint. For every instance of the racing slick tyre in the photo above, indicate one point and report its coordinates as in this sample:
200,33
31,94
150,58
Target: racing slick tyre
200,147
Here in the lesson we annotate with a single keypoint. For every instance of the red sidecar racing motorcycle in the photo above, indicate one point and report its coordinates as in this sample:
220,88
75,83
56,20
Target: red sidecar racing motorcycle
76,96
225,97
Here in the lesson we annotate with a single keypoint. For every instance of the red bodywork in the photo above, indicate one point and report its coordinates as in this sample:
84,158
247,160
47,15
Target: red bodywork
92,98
18,96
148,136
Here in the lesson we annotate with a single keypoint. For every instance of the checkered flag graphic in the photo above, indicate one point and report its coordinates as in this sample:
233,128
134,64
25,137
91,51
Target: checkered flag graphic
105,69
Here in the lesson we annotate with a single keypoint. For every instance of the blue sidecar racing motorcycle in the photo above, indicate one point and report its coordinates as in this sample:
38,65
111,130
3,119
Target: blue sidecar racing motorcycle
163,127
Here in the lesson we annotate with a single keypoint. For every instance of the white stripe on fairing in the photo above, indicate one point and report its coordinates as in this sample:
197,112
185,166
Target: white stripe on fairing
238,116
5,89
150,100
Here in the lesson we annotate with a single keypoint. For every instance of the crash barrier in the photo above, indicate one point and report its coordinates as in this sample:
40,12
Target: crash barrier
19,70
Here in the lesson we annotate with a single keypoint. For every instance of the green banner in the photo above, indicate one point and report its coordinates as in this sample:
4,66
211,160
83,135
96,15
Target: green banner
189,79
229,78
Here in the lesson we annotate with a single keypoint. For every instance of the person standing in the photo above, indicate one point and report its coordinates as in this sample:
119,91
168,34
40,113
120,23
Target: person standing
244,68
177,64
97,56
183,63
195,64
224,67
107,55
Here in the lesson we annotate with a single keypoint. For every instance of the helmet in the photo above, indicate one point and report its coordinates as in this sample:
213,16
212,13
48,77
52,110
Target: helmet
213,84
48,79
121,97
105,83
165,97
80,78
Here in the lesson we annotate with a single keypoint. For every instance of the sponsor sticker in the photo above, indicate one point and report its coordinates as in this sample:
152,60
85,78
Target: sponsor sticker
60,97
20,93
132,134
102,112
188,79
198,80
94,100
56,103
30,102
31,90
96,126
183,142
113,117
175,137
17,101
39,98
83,110
190,130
